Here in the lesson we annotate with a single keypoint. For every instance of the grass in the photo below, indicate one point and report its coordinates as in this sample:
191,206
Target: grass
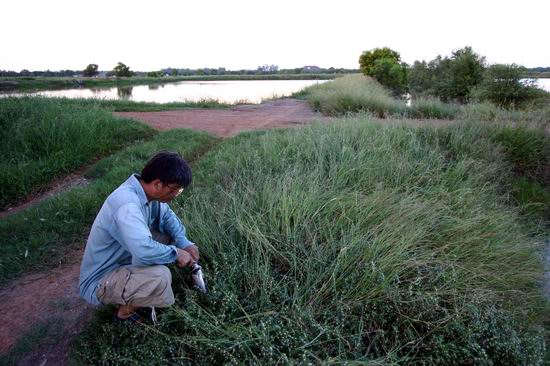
351,94
47,138
131,106
349,243
52,83
357,93
49,331
43,235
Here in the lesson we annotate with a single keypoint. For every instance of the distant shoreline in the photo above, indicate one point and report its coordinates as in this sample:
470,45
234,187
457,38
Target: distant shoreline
31,84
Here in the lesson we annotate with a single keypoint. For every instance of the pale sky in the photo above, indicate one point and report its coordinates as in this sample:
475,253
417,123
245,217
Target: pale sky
244,34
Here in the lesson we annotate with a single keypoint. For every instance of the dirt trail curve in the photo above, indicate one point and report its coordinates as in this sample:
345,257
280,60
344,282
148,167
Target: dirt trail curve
53,296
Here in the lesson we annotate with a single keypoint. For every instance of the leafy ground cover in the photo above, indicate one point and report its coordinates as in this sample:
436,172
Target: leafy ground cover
349,243
42,235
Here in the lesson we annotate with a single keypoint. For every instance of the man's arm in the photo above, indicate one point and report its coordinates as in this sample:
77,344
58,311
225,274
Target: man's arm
171,225
136,236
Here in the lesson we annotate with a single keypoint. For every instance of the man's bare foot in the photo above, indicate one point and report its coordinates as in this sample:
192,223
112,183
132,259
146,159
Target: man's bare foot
126,311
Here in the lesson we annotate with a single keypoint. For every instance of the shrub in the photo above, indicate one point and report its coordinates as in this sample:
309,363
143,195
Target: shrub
368,58
390,74
503,86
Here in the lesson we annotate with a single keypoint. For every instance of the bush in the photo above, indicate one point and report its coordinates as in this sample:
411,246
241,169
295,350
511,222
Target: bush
368,58
449,79
390,74
503,86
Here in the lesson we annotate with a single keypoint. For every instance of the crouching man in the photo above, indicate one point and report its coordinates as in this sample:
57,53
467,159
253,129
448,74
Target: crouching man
132,238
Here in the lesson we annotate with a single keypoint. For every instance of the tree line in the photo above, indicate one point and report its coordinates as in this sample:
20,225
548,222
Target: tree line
461,77
122,70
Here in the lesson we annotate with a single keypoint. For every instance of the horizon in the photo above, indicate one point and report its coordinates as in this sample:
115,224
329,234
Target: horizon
245,34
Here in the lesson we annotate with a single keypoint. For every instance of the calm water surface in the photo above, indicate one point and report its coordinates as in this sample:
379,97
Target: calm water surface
544,84
250,91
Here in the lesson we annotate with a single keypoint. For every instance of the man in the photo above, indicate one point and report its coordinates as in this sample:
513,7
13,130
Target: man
134,234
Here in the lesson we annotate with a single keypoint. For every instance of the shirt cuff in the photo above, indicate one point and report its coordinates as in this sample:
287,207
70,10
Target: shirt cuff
183,243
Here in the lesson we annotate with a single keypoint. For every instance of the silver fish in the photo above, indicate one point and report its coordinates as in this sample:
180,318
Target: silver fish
198,279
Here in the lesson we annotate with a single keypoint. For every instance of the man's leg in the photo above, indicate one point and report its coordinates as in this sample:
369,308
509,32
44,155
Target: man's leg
161,237
133,287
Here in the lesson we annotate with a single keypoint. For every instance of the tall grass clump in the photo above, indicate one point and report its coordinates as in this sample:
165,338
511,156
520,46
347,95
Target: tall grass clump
353,93
348,243
432,108
46,138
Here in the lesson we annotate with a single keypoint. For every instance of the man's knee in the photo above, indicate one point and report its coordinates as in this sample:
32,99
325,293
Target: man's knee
163,274
140,286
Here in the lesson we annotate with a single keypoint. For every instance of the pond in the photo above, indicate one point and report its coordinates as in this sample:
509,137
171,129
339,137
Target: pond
543,84
233,91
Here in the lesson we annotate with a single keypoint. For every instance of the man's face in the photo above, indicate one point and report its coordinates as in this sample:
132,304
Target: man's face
167,192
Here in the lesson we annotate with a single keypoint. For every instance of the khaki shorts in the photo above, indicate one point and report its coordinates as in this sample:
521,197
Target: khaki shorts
142,286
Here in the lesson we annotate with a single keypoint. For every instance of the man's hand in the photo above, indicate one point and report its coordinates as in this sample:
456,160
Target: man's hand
184,258
194,251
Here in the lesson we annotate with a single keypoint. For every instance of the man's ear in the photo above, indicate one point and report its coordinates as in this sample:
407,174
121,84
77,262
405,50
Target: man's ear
157,184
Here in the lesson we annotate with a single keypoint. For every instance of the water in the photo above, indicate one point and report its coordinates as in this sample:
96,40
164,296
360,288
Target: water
250,91
543,84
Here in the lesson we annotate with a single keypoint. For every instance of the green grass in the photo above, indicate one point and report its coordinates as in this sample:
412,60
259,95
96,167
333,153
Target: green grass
131,106
349,243
357,93
48,331
46,138
351,94
42,235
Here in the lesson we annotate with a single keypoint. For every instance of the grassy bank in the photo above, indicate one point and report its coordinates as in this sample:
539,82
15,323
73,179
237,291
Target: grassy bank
42,235
357,93
52,83
131,106
349,243
46,138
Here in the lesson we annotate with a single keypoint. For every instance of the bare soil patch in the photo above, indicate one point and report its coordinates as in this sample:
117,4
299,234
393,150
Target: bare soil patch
41,297
278,113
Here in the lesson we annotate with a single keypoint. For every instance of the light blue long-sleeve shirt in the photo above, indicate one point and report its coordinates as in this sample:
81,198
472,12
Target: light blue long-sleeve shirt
121,235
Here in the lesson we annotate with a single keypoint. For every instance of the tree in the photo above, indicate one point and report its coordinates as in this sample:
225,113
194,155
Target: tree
90,70
122,70
390,74
368,58
466,71
449,78
503,86
419,79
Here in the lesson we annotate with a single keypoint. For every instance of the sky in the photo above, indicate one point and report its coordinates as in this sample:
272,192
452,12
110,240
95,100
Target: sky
244,34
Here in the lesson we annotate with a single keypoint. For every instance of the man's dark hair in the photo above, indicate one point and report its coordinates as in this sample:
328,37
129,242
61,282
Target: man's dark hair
169,167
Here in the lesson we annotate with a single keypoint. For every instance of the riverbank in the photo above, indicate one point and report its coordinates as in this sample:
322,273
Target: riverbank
30,84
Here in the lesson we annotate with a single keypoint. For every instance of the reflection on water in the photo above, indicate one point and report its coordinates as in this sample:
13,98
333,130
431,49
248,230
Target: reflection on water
124,92
251,91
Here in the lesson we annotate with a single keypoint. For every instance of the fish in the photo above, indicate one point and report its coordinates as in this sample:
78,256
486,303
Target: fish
198,278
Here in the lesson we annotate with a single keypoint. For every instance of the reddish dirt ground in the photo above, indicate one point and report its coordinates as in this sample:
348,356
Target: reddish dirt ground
229,122
53,295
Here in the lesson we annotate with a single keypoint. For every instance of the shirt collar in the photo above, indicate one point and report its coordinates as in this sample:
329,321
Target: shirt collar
133,180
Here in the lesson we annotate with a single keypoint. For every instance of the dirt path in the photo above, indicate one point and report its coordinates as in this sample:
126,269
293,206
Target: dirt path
52,296
229,122
43,297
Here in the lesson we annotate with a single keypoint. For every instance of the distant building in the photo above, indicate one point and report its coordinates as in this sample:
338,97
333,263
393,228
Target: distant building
311,68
